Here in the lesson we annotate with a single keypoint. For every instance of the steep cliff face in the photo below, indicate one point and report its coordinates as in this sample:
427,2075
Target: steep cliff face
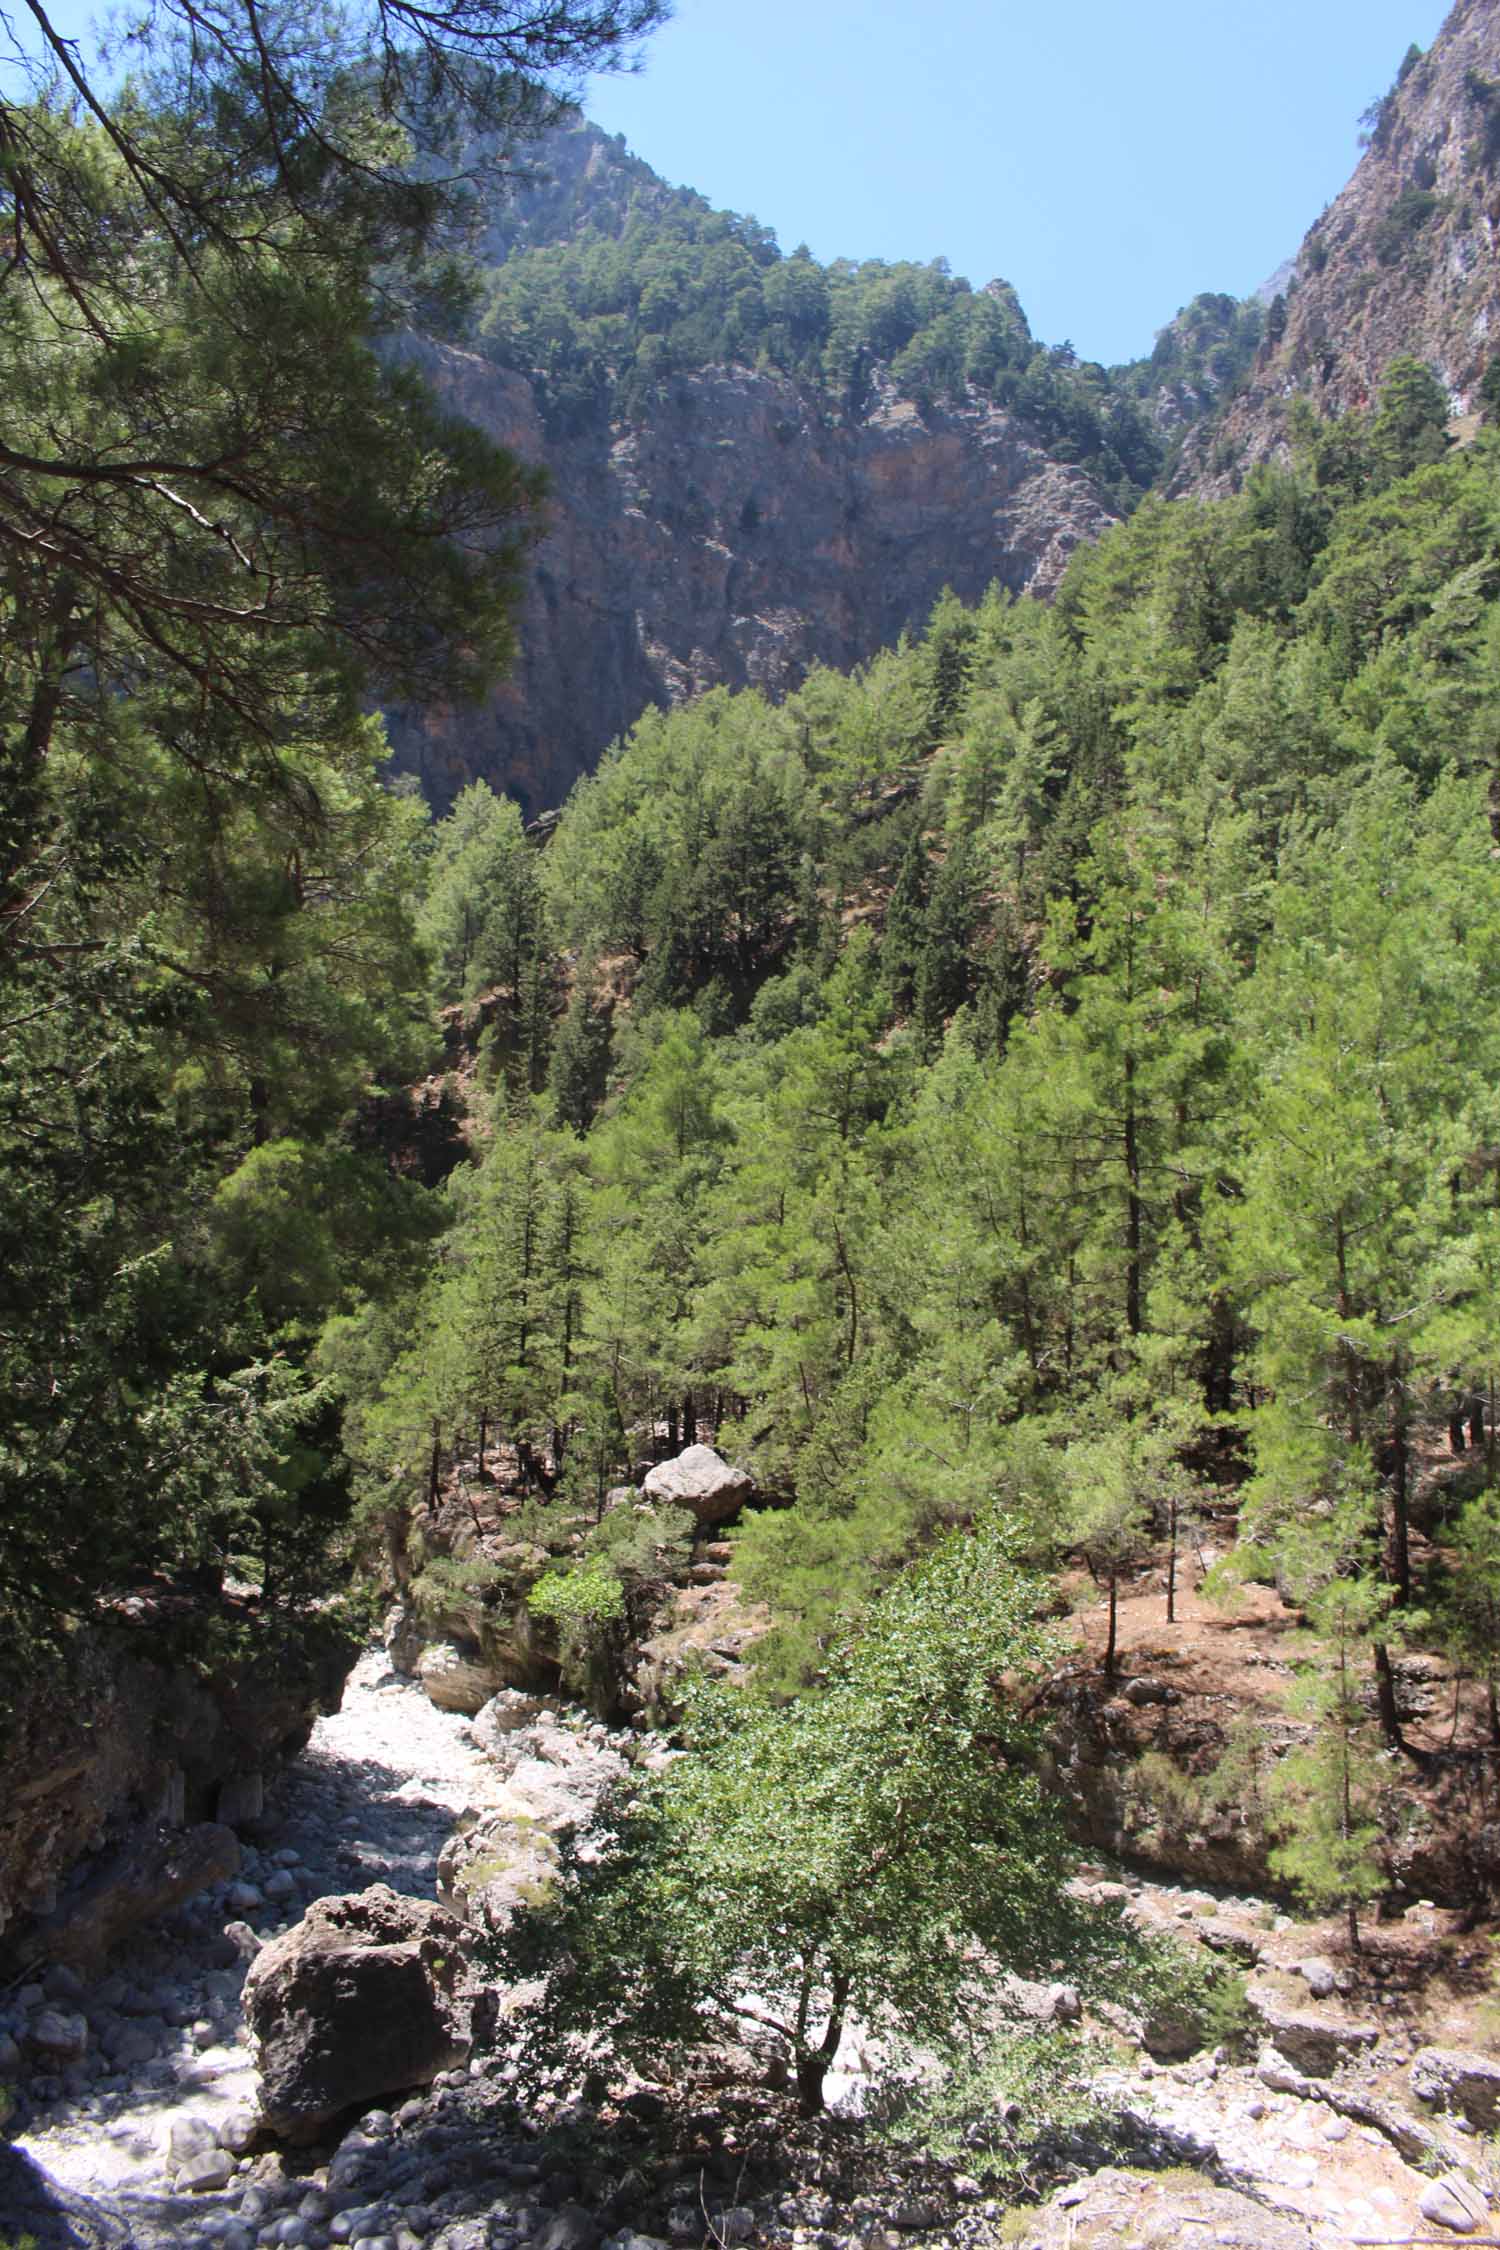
1405,261
739,535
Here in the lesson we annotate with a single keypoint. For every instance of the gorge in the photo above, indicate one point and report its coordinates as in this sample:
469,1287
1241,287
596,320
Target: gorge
867,1354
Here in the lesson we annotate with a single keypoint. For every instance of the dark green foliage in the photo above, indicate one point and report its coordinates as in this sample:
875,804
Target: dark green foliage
956,1146
228,520
580,1057
1400,224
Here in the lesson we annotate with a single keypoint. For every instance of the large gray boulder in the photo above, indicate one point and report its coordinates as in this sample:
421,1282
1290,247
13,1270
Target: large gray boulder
700,1480
1455,2078
368,1995
456,1679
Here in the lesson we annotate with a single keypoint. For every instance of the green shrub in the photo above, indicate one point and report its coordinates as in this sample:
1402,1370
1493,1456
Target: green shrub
1402,222
449,1582
1001,2116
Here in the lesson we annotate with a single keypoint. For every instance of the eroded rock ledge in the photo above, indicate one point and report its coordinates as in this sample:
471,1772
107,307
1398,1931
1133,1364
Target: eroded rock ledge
127,1762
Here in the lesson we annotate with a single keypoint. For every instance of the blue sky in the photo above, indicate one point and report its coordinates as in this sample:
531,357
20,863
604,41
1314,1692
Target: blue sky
1109,161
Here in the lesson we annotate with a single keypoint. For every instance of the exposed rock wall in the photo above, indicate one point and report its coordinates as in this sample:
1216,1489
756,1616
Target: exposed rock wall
1406,260
741,536
128,1748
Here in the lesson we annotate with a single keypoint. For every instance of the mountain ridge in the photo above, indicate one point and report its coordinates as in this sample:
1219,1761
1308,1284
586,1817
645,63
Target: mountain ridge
760,465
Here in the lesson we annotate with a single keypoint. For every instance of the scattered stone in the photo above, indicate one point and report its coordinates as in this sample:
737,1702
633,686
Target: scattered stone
1320,1977
190,2136
503,1715
58,2036
1312,2043
573,2228
201,2175
238,2130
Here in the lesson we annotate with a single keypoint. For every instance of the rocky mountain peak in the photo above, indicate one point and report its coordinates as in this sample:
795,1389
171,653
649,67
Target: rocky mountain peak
1402,262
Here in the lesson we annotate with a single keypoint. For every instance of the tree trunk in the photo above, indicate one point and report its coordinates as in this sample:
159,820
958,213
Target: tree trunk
484,1431
1109,1645
435,1468
814,2063
1400,1512
1172,1560
1385,1695
1132,1207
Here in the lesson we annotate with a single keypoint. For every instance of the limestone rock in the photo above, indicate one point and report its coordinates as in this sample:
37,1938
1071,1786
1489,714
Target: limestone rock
202,2174
58,2036
367,1996
404,1638
142,1879
504,1714
456,1679
1415,218
1310,2042
1453,2202
122,1724
737,533
488,1872
1115,2208
190,2136
1454,2078
700,1480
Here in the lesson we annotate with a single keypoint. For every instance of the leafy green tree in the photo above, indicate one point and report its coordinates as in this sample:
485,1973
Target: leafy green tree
1324,1798
579,1074
1475,1596
1118,1483
842,1859
906,922
1349,1239
1410,428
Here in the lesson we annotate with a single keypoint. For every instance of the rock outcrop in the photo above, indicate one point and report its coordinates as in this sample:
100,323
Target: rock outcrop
1454,2079
743,535
119,1763
367,1995
147,1876
1405,260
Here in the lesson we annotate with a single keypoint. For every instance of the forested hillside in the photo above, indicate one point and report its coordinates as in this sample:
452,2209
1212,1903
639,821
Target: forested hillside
1045,1068
1029,1099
